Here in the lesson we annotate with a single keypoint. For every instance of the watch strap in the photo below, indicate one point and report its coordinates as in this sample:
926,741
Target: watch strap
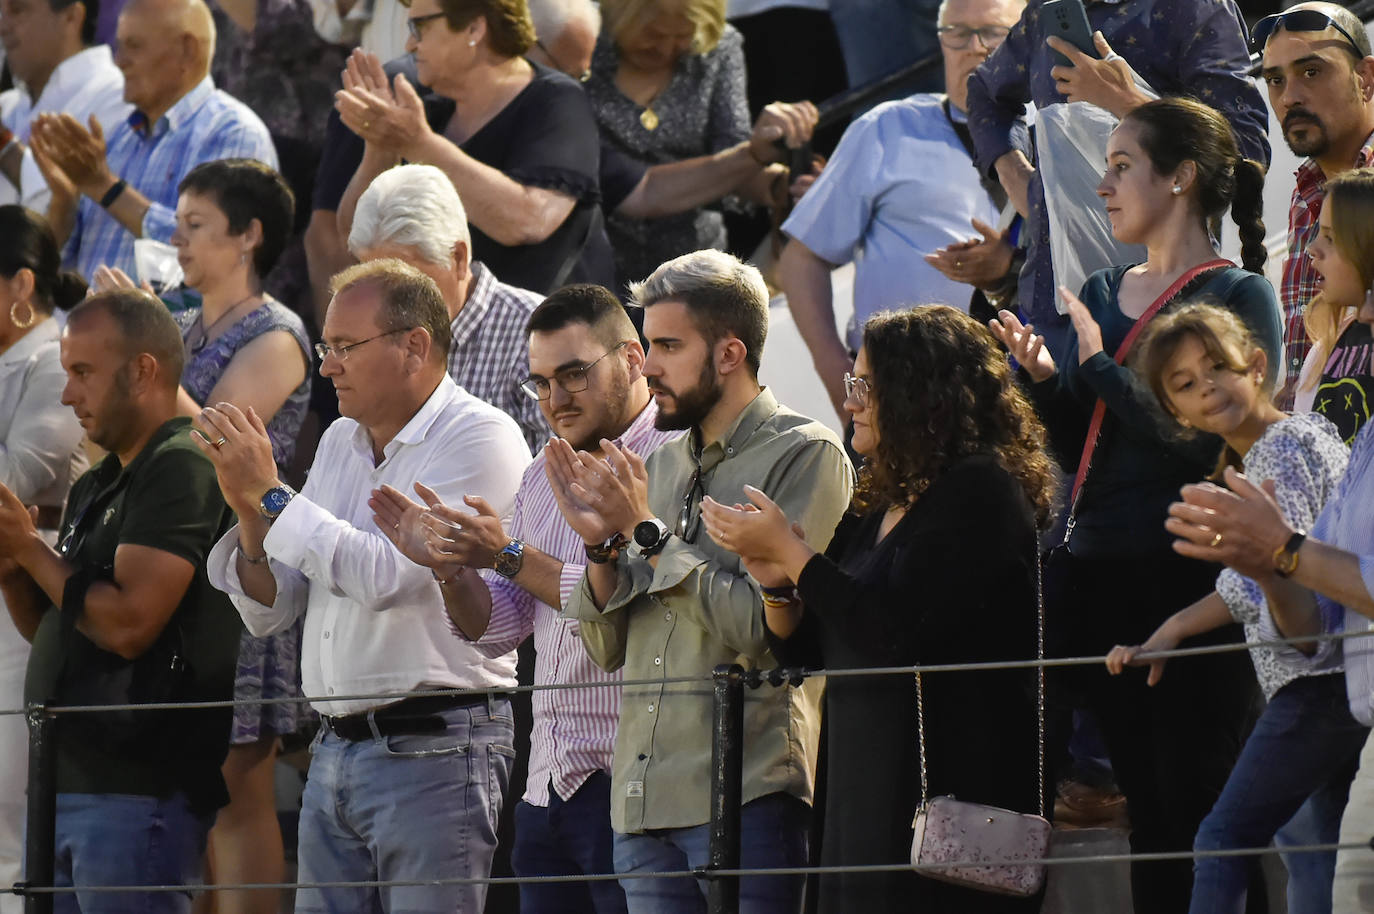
1286,556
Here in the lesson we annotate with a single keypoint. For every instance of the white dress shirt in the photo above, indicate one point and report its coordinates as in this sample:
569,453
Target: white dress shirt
86,83
375,621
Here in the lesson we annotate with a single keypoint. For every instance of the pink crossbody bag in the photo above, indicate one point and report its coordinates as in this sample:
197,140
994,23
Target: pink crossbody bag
977,846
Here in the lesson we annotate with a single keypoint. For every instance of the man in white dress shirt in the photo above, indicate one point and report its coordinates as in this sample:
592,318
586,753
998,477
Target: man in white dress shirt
57,67
405,789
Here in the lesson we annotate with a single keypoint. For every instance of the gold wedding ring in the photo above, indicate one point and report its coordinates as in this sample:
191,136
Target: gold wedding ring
1216,541
221,442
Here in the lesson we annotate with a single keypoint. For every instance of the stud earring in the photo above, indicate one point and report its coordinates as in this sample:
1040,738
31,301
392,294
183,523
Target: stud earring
472,43
1178,189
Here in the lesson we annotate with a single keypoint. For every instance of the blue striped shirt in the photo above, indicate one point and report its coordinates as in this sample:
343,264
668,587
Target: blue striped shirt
204,125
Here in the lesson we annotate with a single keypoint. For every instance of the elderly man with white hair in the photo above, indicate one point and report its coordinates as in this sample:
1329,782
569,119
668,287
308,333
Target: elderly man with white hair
412,213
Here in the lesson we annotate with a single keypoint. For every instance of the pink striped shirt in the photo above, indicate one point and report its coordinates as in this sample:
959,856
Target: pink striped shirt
574,729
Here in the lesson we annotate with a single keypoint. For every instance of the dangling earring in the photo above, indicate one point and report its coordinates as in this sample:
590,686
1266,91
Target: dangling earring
27,323
243,257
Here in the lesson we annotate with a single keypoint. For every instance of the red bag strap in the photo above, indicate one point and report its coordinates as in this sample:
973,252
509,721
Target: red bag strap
1100,409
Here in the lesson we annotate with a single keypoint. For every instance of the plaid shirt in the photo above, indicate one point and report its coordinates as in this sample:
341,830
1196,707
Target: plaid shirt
490,357
1299,276
204,125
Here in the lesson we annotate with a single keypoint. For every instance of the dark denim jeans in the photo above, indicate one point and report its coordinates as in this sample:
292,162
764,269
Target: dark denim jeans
1296,769
121,839
773,833
567,838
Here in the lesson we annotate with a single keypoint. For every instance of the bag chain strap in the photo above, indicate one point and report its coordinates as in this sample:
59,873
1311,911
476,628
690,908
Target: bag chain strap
1039,705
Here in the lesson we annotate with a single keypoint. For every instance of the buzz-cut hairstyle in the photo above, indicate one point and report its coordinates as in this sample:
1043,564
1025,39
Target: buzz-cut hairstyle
583,303
409,299
145,326
725,296
412,206
551,17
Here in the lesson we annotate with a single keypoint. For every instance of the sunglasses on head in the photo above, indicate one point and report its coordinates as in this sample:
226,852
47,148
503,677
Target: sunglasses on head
1299,21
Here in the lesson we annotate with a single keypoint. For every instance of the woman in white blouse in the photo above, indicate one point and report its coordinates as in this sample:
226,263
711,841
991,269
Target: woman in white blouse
40,457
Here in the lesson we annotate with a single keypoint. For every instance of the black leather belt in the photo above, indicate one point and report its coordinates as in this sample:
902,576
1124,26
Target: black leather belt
406,717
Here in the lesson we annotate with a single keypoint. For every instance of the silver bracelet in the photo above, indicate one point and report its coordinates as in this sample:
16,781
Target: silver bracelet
260,560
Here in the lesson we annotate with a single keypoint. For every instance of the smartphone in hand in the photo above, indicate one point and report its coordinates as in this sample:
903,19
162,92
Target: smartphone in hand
1068,20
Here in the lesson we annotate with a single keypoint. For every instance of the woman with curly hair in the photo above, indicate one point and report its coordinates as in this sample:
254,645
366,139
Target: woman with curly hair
935,563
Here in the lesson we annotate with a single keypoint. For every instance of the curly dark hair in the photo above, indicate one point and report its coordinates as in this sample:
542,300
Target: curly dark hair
944,392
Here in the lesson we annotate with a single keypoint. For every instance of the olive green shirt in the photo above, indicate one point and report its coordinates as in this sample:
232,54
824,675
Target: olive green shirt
700,608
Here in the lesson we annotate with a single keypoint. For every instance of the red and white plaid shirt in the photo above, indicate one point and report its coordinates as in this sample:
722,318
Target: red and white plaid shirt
1299,276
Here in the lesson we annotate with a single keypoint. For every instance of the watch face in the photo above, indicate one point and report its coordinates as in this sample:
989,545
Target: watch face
646,534
507,562
274,501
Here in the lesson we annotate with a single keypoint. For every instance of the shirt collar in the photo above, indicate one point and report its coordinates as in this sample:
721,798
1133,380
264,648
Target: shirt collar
46,331
483,292
415,431
179,114
759,411
77,70
1310,174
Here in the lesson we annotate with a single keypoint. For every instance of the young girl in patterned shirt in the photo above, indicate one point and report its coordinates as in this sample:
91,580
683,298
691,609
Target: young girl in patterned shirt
1209,374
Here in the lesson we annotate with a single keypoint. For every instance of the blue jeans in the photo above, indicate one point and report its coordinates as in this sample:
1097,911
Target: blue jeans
406,808
124,839
568,838
1300,756
773,833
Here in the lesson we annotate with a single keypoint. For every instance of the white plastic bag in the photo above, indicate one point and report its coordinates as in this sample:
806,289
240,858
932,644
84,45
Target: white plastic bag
156,264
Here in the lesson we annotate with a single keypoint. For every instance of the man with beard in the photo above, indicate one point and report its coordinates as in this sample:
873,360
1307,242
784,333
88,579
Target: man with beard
587,376
1320,75
666,602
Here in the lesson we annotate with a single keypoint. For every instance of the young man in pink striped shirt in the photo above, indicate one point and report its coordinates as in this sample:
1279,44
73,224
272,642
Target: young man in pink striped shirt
585,364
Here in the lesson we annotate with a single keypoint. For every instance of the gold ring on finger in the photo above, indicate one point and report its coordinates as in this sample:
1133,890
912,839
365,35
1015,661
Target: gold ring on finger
221,442
1216,541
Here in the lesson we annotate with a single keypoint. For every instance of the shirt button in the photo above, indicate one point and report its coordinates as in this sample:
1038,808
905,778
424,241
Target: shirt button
730,451
668,616
658,661
651,706
326,636
331,690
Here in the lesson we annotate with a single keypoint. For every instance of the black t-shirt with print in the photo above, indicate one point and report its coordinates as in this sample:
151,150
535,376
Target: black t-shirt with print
1345,393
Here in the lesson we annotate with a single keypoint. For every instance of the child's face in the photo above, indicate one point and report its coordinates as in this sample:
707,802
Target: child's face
1205,393
1340,281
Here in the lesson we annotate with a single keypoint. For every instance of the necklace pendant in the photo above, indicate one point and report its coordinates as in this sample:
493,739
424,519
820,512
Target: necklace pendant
649,119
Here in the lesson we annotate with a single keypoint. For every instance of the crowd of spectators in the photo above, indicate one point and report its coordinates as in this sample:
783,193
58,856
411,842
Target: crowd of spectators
462,351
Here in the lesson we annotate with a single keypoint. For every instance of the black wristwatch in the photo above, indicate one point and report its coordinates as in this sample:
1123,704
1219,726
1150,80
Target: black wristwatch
650,537
275,500
508,561
602,553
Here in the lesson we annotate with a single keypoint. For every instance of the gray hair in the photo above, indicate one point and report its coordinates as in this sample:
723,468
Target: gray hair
550,17
726,296
415,206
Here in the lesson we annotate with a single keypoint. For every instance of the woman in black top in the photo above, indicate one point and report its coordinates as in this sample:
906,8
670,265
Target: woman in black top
517,139
935,564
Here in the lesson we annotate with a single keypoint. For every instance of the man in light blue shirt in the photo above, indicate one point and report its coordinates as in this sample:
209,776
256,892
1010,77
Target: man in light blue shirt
900,187
103,199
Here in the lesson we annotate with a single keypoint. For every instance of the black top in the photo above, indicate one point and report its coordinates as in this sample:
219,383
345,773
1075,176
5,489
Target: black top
1345,393
1143,457
953,582
544,137
167,499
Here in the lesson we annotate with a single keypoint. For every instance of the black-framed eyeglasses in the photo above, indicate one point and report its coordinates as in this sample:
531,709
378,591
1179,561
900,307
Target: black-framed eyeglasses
580,77
324,350
572,380
416,24
1299,21
687,520
957,37
857,387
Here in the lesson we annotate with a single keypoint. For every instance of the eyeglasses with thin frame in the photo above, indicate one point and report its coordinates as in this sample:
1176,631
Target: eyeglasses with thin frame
572,380
416,24
687,522
581,77
857,387
957,37
1299,21
324,350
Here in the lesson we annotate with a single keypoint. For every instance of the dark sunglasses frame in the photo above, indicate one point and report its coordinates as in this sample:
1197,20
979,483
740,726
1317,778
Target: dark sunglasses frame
1299,21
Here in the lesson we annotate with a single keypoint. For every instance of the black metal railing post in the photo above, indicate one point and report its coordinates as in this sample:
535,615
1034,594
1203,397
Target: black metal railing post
727,765
41,838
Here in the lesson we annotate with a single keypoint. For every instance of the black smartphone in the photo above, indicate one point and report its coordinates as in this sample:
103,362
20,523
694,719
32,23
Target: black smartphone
1068,20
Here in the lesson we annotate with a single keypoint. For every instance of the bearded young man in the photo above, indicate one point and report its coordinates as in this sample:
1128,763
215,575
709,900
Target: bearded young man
587,376
667,602
1320,75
